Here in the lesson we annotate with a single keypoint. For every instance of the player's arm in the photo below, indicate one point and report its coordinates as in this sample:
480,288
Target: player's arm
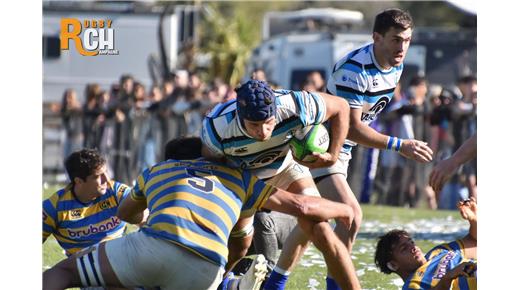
363,134
310,207
446,168
211,147
338,114
463,269
239,241
468,211
133,210
49,216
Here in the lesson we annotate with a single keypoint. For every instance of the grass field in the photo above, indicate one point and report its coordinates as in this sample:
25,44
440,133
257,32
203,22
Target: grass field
428,227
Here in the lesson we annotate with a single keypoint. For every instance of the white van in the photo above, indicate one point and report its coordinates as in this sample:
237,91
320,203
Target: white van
135,39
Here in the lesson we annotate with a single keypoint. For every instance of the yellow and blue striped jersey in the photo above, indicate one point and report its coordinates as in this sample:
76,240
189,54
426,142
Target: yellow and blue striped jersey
441,260
196,203
77,225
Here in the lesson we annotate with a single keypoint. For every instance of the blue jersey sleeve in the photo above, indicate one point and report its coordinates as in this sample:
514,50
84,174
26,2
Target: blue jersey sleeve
210,139
350,83
309,107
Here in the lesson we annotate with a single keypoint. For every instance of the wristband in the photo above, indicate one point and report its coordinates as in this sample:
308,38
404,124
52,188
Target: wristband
394,143
390,143
398,146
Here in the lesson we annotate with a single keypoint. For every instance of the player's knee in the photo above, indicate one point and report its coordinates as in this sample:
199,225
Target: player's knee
64,273
322,233
263,223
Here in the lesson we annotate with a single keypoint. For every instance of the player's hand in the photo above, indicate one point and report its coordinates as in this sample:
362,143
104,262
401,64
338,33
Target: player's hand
322,160
468,209
441,173
416,150
348,216
467,269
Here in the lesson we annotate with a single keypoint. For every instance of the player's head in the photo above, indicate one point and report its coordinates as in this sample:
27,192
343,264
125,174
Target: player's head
256,108
392,34
87,171
397,252
183,148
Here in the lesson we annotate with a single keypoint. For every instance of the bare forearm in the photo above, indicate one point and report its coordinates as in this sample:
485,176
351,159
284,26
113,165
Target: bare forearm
364,135
473,230
339,127
444,284
321,209
237,250
310,207
467,151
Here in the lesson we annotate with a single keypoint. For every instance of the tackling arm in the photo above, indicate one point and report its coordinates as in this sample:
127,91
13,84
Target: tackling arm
239,241
310,207
132,210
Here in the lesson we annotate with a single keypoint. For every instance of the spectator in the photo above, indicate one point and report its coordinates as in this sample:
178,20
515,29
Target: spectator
259,74
71,117
90,114
123,130
316,80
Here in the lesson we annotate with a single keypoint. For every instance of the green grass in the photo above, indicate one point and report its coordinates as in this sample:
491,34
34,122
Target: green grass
376,220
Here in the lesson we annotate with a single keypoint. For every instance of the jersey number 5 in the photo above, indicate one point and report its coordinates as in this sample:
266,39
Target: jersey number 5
199,181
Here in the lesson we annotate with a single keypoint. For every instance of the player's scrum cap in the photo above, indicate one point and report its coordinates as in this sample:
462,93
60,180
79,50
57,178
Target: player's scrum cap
255,101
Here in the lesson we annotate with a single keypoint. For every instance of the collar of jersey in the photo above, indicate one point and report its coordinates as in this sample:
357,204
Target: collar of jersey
373,56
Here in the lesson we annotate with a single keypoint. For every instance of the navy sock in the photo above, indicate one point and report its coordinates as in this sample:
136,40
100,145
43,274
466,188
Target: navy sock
331,284
276,281
224,284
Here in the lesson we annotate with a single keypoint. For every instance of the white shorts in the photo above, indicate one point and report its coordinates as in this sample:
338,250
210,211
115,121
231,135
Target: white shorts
341,167
290,174
141,260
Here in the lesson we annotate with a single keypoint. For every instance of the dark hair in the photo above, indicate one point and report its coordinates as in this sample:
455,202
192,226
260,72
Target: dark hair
385,245
417,80
393,17
467,79
183,148
124,78
83,163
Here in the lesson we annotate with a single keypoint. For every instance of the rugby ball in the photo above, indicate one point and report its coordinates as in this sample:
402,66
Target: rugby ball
313,138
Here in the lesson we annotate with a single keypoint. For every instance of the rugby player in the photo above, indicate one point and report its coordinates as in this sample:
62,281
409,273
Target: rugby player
447,266
253,132
194,205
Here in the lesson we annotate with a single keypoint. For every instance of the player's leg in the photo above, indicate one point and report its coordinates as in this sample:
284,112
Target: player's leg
332,184
334,252
297,179
336,188
296,243
89,268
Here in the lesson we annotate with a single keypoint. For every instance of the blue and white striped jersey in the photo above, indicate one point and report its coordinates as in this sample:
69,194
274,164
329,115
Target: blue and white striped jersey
223,133
359,79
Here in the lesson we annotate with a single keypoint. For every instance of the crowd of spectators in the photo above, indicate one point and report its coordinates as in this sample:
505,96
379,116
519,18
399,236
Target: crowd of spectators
130,123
